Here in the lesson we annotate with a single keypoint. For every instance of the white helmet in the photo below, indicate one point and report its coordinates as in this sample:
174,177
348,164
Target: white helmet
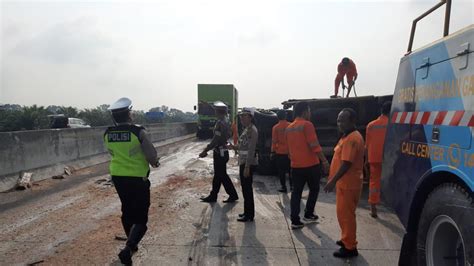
121,104
248,111
220,105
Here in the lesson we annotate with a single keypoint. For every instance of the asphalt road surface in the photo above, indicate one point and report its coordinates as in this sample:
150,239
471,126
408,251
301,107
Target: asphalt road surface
75,221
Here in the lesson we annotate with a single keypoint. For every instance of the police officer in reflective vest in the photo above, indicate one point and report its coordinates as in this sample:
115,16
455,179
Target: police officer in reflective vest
131,152
218,144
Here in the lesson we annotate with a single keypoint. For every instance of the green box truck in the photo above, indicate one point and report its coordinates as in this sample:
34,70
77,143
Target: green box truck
207,95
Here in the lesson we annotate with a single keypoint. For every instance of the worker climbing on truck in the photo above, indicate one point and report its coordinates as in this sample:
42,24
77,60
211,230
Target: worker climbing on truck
346,68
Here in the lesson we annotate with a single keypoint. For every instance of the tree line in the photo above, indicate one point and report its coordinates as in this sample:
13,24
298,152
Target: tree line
16,117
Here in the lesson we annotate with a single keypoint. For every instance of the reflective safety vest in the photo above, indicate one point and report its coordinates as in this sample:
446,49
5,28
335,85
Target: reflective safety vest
279,142
124,146
375,138
303,144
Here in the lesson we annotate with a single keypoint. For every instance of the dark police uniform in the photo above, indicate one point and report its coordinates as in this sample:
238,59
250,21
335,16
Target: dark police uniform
131,152
218,144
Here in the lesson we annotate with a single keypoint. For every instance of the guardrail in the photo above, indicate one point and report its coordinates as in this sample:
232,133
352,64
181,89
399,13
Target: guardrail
47,152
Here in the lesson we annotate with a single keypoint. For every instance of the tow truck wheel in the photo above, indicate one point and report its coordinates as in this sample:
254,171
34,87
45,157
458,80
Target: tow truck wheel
445,233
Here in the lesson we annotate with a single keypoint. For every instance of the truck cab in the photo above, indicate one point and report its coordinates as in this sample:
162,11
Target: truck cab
428,164
207,95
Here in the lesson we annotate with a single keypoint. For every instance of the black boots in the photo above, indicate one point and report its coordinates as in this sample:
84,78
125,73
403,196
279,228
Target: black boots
211,199
231,199
136,234
346,253
125,256
245,219
208,199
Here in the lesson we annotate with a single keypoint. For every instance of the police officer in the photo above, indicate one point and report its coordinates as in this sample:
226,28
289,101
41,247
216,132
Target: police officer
218,144
131,152
247,162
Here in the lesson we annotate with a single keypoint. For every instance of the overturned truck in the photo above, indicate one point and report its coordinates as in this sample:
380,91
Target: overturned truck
324,117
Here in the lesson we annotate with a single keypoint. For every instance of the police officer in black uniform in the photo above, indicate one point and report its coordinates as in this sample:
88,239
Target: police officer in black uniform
131,152
218,144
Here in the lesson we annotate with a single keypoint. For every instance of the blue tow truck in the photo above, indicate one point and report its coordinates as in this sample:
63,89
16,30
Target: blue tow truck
428,165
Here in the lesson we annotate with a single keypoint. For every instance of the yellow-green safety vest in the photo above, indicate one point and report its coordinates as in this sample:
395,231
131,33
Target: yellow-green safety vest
128,158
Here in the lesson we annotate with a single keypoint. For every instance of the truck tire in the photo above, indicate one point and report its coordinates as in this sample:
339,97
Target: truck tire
445,234
199,135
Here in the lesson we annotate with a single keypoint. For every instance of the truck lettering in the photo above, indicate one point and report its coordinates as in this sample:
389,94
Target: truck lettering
453,155
462,86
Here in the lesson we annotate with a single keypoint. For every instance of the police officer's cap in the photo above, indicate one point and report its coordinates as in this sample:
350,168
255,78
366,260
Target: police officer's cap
122,104
247,111
220,105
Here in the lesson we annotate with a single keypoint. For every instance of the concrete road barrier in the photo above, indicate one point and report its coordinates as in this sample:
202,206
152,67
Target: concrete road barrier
47,152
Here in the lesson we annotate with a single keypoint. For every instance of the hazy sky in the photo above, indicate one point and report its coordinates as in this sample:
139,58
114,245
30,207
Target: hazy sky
88,53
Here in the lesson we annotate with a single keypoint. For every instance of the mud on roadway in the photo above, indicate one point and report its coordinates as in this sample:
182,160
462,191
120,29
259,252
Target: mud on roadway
74,221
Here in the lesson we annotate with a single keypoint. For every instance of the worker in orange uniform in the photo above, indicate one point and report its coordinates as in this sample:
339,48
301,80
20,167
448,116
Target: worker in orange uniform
280,150
306,157
346,175
235,131
375,138
345,68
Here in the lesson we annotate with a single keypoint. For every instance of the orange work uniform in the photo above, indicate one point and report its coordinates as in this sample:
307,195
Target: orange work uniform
349,71
303,147
350,148
235,133
303,144
374,141
279,143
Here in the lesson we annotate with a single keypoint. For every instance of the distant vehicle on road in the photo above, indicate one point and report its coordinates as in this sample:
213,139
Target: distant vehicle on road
77,123
58,121
62,121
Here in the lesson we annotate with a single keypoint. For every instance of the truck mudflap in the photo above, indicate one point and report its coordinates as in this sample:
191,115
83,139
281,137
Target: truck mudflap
408,249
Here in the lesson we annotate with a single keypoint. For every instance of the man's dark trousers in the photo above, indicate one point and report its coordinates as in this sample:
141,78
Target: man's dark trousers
221,176
301,176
